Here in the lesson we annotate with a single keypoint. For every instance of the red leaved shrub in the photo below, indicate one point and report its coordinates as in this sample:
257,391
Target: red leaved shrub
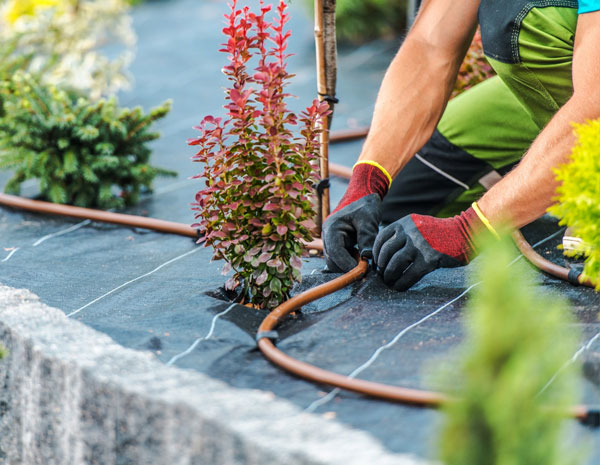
256,206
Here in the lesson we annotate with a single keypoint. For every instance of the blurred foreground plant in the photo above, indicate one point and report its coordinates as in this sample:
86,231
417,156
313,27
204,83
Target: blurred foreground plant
579,195
90,154
510,407
64,39
256,207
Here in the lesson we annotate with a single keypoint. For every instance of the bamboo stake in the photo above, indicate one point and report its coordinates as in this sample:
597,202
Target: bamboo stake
326,53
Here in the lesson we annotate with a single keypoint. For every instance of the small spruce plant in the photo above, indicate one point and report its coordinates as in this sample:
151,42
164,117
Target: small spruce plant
256,207
509,407
579,195
89,154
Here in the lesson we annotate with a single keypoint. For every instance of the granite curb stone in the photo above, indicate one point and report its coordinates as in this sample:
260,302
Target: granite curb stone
71,395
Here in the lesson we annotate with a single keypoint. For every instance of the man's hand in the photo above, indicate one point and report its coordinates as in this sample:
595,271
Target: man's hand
355,221
415,245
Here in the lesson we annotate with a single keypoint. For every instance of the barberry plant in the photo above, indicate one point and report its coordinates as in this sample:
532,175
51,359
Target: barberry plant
257,205
90,154
579,195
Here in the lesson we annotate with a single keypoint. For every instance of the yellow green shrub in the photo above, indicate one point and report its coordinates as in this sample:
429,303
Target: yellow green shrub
579,194
510,406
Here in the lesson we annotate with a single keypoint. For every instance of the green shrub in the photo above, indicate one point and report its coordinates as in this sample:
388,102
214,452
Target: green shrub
360,20
82,152
256,206
506,412
579,195
363,20
3,352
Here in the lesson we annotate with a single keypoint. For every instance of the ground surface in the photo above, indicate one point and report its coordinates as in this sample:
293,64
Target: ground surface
147,291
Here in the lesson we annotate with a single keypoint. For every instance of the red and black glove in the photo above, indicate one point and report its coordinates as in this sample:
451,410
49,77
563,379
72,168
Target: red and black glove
355,221
415,245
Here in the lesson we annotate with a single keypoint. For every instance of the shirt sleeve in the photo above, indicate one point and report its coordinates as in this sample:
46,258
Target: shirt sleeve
587,6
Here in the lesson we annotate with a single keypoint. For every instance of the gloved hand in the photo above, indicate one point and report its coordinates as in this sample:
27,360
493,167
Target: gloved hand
355,221
415,245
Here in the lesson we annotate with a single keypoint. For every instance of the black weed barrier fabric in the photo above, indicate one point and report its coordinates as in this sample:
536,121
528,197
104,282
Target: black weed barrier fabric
154,292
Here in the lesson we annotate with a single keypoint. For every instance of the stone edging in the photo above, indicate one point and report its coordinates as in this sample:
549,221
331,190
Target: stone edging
71,395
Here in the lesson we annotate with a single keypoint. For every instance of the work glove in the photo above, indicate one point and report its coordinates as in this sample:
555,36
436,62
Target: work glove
415,245
355,221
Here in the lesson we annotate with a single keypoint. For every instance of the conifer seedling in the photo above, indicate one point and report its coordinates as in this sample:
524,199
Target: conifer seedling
89,154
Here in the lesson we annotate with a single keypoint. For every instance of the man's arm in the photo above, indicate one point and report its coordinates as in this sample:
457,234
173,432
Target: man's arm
411,100
419,81
527,192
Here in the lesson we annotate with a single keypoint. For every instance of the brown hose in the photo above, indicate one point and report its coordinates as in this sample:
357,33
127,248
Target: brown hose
98,215
382,391
318,375
547,266
340,170
133,221
346,135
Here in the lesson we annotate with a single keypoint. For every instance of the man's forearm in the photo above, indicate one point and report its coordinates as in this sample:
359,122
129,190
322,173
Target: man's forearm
418,83
411,100
526,192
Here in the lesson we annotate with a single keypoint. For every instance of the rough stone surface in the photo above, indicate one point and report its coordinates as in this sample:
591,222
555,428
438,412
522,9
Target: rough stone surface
71,395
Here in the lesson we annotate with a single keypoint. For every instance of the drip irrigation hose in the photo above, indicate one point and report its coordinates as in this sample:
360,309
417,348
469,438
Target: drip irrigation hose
122,219
340,170
266,331
346,135
39,206
267,334
571,275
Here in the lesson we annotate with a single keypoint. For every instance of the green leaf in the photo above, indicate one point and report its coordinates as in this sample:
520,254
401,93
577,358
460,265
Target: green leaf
70,162
275,284
57,193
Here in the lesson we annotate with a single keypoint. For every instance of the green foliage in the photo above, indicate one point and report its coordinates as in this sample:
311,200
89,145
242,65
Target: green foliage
3,352
579,195
363,20
360,20
82,152
506,411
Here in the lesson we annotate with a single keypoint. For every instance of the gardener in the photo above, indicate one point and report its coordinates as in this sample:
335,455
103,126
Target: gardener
548,63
